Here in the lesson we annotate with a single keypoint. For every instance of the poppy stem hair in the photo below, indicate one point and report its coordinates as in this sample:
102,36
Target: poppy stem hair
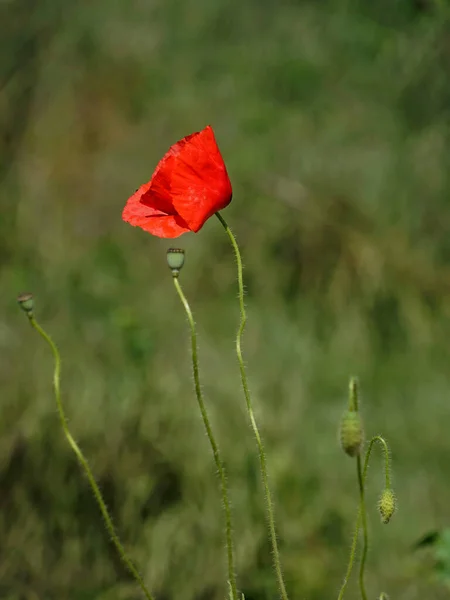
363,513
362,476
215,449
386,505
352,439
352,554
262,456
81,458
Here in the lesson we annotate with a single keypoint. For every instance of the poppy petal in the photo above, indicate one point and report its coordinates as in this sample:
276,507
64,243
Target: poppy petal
189,185
164,226
200,185
157,191
150,219
191,180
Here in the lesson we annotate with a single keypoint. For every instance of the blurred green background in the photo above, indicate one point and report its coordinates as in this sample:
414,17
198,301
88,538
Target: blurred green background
334,120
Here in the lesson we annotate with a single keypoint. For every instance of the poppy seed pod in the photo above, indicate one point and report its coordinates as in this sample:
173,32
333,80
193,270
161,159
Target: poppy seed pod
175,260
351,433
387,505
26,303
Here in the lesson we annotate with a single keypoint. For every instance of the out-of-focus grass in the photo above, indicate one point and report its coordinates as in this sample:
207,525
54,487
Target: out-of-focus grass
334,123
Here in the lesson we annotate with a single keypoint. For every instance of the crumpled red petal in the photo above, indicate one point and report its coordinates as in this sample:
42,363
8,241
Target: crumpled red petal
152,219
189,185
191,180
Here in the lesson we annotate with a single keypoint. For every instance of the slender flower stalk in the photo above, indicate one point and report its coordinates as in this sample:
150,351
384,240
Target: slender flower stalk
172,253
362,514
26,303
387,466
362,511
362,477
352,555
245,387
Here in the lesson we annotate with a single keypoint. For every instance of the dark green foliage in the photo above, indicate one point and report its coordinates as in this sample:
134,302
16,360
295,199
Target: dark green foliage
333,118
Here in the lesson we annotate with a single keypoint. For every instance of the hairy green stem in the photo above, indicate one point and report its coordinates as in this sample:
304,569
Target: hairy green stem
262,456
83,462
352,554
387,467
362,476
362,510
215,450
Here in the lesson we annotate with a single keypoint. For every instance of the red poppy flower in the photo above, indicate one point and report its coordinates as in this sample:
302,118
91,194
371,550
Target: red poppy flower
188,186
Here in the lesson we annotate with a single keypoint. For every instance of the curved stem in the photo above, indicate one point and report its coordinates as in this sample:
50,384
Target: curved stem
215,450
262,456
387,468
83,462
362,476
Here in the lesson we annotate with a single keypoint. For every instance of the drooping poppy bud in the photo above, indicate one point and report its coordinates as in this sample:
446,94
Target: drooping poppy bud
189,185
387,505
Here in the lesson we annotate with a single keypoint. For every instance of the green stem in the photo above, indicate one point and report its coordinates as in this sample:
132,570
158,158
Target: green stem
215,450
83,462
362,476
262,456
387,468
352,554
362,510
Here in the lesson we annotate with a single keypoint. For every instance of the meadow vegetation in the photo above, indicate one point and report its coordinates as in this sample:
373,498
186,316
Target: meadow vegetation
334,120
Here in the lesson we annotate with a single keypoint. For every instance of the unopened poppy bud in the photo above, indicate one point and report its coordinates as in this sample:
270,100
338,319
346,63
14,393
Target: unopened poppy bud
383,596
175,260
387,505
351,433
26,303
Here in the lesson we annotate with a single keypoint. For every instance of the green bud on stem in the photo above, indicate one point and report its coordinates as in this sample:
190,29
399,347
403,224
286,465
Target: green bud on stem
175,260
387,505
351,433
26,303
